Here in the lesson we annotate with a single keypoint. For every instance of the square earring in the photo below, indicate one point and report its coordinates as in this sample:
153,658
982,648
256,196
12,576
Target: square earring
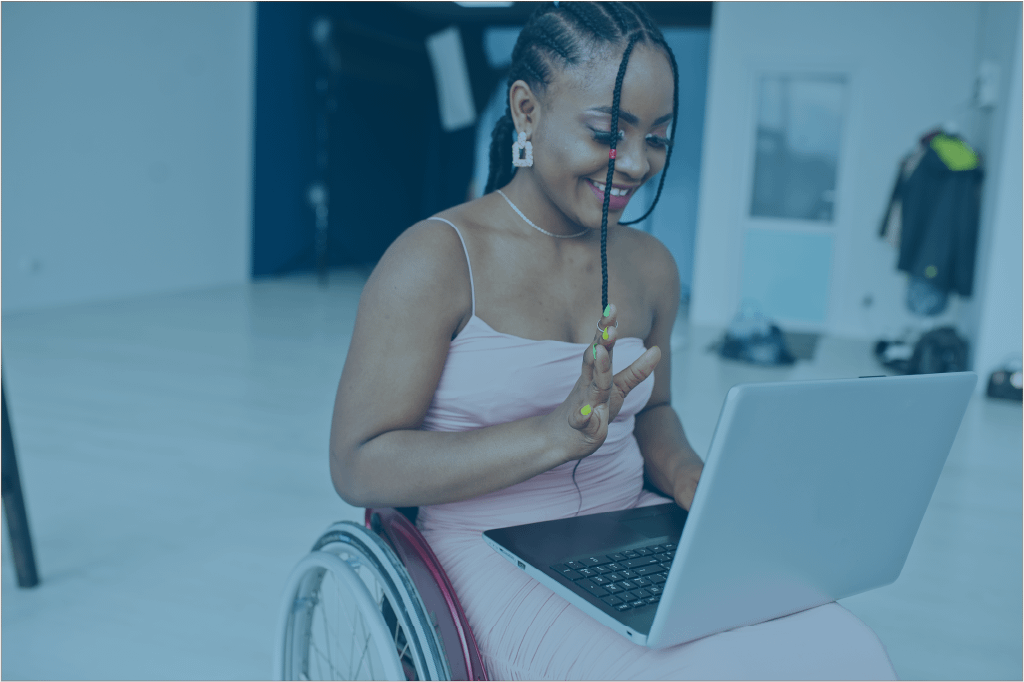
522,152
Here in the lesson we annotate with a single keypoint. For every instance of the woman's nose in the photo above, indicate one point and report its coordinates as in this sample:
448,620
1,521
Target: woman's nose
631,159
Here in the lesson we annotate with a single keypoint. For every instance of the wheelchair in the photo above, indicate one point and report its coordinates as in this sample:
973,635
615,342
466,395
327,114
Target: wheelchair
373,603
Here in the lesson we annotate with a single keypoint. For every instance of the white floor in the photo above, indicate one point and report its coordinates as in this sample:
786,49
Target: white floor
173,451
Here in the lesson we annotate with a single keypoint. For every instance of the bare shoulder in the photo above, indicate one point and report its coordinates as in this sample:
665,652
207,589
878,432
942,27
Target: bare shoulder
473,218
425,266
655,264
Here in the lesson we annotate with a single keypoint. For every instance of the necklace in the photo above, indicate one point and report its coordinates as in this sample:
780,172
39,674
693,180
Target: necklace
539,229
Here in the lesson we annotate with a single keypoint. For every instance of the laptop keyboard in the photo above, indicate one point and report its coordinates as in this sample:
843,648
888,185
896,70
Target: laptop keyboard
625,580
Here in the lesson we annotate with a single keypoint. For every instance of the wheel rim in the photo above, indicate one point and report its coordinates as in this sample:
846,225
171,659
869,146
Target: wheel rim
350,612
333,628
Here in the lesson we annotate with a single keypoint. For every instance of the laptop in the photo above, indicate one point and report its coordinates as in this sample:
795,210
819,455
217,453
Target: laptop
811,491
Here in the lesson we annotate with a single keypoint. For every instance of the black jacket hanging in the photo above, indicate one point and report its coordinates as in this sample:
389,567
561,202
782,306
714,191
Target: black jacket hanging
939,205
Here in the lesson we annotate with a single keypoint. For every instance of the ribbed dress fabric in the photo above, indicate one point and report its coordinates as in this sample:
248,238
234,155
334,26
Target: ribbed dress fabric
524,630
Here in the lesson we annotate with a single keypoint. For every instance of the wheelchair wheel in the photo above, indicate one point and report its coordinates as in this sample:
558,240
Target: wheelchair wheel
350,612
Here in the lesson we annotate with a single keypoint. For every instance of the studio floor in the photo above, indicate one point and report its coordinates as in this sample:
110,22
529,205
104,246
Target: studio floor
173,453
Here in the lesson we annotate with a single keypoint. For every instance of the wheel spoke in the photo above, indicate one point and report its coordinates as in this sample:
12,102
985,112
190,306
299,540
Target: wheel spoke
328,635
366,647
405,649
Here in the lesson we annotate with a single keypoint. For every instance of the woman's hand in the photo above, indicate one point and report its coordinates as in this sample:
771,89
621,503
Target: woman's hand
598,395
685,483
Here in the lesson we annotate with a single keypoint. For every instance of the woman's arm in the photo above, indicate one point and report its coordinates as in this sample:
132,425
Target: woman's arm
670,462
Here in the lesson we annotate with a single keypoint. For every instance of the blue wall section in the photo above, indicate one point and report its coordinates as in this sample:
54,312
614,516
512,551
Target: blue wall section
675,220
788,273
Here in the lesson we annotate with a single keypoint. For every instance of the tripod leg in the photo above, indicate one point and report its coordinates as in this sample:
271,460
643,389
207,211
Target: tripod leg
14,507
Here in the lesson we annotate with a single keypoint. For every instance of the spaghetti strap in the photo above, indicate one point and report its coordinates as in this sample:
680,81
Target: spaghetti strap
472,290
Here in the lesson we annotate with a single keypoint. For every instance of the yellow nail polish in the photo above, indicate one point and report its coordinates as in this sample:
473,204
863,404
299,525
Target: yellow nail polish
608,310
585,410
604,335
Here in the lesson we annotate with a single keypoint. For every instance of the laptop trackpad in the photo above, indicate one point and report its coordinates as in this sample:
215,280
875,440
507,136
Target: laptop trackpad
656,525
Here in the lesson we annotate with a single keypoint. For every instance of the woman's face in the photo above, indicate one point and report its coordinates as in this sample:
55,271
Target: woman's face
572,136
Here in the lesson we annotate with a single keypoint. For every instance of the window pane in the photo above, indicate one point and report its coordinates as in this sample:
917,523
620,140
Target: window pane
799,125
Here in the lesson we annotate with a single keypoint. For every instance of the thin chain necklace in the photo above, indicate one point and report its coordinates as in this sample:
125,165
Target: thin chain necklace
539,229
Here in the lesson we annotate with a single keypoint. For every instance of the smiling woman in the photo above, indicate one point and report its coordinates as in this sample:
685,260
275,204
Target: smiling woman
477,388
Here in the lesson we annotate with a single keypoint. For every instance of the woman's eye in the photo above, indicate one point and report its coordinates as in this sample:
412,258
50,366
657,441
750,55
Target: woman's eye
606,136
658,142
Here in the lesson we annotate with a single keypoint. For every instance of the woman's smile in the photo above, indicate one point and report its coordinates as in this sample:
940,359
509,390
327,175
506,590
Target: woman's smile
621,194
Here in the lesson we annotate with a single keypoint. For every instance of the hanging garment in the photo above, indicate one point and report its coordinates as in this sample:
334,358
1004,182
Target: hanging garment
933,215
892,224
924,298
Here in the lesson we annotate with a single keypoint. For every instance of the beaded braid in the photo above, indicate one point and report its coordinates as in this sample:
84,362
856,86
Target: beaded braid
611,168
644,20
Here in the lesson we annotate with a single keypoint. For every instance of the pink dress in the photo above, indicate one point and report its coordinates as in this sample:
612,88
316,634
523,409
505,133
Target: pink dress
524,630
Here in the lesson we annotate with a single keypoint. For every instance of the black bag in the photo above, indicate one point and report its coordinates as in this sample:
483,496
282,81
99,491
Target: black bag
937,351
1006,383
752,337
766,349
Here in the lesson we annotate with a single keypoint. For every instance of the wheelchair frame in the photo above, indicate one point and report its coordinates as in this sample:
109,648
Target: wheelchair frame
408,618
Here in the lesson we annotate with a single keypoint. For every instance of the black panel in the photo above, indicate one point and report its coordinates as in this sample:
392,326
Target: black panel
389,162
665,14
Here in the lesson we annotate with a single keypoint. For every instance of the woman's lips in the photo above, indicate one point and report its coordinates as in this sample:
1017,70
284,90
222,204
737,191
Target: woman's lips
615,202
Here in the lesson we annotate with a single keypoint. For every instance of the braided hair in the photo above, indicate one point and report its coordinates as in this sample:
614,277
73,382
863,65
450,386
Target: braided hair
561,35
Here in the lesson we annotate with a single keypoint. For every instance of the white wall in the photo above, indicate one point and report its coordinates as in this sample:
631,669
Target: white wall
911,67
995,323
127,149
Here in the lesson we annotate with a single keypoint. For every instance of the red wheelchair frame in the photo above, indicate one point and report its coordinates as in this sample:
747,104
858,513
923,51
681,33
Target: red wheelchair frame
396,528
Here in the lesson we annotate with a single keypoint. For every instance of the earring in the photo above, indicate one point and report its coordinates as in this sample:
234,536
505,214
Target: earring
522,152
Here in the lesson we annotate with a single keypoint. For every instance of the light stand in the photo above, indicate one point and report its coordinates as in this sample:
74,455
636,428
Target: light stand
318,193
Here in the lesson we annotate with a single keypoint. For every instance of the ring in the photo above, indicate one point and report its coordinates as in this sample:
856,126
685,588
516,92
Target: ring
616,325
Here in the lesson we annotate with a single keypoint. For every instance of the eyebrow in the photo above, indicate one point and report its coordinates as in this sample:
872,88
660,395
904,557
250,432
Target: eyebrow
631,119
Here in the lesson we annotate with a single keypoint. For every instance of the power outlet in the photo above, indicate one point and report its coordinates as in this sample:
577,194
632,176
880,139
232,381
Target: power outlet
986,93
31,265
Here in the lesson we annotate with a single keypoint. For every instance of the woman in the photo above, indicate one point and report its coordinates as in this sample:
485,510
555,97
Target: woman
477,387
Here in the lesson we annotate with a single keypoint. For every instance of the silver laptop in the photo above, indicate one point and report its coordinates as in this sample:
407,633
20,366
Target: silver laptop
812,491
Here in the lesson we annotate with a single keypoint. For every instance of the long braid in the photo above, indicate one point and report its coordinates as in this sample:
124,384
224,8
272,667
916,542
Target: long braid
659,40
500,170
607,198
611,168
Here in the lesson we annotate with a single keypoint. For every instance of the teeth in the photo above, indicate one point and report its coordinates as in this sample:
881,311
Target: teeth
615,192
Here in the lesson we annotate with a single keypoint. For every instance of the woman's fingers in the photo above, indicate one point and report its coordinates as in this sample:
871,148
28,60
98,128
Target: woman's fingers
593,400
606,331
631,377
595,385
